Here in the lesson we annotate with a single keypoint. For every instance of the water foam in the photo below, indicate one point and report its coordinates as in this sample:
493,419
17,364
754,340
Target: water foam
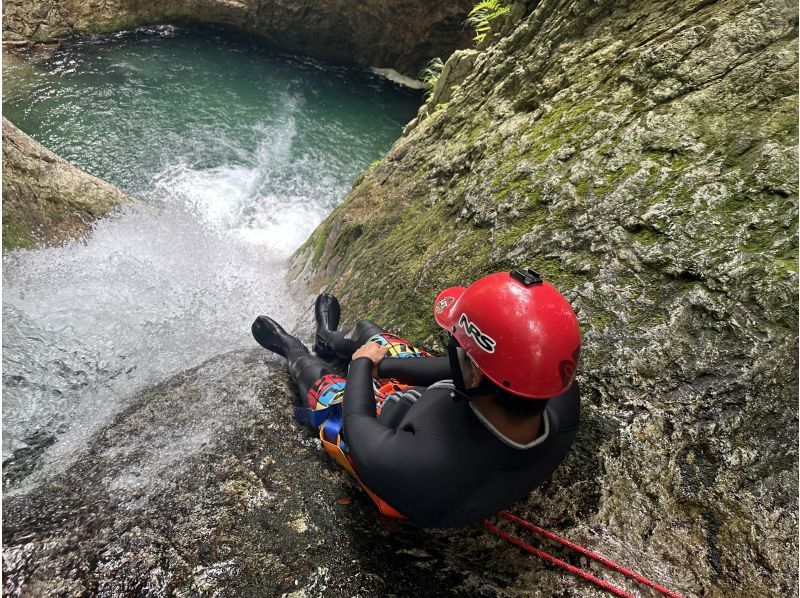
236,153
149,294
271,196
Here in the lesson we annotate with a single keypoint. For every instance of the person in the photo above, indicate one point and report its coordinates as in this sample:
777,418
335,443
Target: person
445,441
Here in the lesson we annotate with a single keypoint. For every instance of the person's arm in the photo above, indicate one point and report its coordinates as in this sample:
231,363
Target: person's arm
397,464
416,371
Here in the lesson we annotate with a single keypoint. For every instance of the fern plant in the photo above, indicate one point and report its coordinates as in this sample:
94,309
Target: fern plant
481,16
430,75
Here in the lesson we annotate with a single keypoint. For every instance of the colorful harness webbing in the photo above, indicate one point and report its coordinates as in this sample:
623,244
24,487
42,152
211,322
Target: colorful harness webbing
327,415
325,410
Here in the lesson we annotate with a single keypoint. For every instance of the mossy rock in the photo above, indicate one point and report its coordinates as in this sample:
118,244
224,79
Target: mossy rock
46,200
643,157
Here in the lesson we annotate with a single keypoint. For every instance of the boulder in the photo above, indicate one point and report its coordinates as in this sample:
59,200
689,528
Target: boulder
46,199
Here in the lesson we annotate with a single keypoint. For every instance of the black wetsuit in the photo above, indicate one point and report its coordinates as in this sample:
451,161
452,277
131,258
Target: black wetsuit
438,463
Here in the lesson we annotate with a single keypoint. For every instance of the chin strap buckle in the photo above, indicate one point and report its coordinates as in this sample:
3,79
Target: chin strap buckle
528,276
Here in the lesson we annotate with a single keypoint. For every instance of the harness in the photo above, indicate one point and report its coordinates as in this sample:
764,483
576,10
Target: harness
326,413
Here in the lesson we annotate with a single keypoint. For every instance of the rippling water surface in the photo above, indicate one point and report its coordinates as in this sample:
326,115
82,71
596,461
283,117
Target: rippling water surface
236,152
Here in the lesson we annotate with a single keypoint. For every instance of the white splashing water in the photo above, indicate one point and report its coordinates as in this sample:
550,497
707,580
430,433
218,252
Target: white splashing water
150,294
157,289
268,199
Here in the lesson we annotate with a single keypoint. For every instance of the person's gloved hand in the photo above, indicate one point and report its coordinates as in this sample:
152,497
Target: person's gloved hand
374,351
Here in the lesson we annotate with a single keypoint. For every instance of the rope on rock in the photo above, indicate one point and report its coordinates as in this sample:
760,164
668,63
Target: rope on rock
571,568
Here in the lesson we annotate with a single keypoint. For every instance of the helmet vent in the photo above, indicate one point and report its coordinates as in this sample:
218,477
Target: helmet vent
506,383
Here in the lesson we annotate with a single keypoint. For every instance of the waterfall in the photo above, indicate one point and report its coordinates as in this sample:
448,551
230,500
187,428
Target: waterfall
235,154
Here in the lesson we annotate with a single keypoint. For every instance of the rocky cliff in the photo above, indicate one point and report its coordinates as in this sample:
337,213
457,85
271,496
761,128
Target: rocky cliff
393,34
643,157
46,199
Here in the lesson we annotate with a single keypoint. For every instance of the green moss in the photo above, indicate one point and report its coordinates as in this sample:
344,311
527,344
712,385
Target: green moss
582,188
521,188
788,265
422,170
759,241
366,173
315,243
647,236
17,235
599,320
552,270
614,178
319,248
776,121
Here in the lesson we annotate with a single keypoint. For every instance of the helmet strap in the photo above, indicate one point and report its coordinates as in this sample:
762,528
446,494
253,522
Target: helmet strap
483,389
460,390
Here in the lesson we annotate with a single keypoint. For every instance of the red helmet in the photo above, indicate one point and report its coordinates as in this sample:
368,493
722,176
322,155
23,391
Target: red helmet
519,330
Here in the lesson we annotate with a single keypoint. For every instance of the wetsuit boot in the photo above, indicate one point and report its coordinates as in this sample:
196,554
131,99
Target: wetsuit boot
332,343
343,345
326,312
305,368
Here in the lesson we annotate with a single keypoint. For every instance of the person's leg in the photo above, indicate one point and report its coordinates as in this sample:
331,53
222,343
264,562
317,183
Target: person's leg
344,344
306,369
330,342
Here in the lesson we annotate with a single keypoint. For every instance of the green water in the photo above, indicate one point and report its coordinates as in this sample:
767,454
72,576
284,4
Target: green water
200,116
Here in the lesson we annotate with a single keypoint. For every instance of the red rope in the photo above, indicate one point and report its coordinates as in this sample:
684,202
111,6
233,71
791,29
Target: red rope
592,555
580,572
564,565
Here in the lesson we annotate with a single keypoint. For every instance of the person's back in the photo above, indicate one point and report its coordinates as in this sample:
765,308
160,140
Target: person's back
445,465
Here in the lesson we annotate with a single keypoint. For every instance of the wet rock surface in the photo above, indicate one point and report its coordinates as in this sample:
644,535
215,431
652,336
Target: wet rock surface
376,33
643,157
46,199
205,486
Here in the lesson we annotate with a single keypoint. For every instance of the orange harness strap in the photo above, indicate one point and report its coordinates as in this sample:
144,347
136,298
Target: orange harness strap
334,449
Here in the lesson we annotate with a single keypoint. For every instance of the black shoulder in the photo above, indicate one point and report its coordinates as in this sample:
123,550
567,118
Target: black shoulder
567,407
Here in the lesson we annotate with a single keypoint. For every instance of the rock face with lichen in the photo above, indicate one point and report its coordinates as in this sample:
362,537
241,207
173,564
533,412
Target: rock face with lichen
643,157
205,486
393,34
46,199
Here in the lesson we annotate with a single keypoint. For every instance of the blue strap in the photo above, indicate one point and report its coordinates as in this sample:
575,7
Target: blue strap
333,426
328,415
313,417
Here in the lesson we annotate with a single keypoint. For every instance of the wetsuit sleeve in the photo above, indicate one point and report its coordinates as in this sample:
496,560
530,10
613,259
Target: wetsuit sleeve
389,461
416,371
359,396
